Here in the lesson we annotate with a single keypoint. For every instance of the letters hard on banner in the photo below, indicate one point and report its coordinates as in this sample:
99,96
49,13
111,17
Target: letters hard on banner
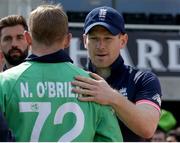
155,50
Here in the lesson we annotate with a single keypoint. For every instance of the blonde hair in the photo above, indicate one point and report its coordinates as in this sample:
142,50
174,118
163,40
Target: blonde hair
48,23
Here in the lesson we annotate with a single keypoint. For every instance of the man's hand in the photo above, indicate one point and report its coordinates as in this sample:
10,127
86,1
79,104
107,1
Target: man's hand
94,89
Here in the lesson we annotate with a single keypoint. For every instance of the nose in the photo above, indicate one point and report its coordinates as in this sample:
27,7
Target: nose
14,42
100,44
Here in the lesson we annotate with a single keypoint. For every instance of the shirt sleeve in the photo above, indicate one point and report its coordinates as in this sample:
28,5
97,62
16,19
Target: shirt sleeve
108,128
148,89
5,133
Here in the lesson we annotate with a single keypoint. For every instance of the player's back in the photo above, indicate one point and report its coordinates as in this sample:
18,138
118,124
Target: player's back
39,106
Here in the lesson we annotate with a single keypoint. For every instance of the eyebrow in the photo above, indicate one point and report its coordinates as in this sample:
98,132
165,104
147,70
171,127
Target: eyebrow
16,35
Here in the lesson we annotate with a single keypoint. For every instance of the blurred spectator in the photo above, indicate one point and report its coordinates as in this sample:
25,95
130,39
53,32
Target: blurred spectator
172,136
178,133
13,44
159,136
165,131
5,132
1,61
167,121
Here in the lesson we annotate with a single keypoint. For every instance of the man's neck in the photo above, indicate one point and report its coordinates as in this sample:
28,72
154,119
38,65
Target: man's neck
42,49
104,72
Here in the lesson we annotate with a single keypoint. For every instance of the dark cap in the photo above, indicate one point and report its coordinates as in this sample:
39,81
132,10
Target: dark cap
107,17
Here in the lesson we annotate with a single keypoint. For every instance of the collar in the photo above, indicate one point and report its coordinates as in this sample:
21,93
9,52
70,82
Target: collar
4,67
59,56
116,68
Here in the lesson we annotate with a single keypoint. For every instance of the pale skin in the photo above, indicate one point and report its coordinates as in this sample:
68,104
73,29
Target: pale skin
1,61
41,49
143,118
13,37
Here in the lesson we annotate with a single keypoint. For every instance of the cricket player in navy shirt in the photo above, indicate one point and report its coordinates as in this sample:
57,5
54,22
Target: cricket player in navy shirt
5,132
135,95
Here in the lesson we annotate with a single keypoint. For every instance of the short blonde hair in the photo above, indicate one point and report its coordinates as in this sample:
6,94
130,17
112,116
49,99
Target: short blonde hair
48,23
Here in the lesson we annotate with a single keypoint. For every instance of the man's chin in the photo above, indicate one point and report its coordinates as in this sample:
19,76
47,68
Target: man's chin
101,65
15,55
15,61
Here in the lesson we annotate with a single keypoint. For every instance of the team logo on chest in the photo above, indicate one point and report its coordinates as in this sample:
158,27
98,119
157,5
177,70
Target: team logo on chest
123,91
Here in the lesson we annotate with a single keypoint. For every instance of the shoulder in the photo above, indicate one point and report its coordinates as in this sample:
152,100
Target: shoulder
148,87
78,70
14,72
146,76
140,75
144,79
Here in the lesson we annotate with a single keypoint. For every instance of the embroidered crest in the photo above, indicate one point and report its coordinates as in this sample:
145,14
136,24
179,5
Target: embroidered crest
102,14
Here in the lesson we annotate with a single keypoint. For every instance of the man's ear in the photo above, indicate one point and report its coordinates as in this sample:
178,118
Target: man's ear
67,40
123,40
84,40
28,37
0,42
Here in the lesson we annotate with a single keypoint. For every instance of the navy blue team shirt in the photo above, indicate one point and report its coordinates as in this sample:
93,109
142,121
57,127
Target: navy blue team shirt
5,132
137,85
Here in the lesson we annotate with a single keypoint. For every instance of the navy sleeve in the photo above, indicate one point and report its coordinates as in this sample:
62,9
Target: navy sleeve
148,87
5,133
